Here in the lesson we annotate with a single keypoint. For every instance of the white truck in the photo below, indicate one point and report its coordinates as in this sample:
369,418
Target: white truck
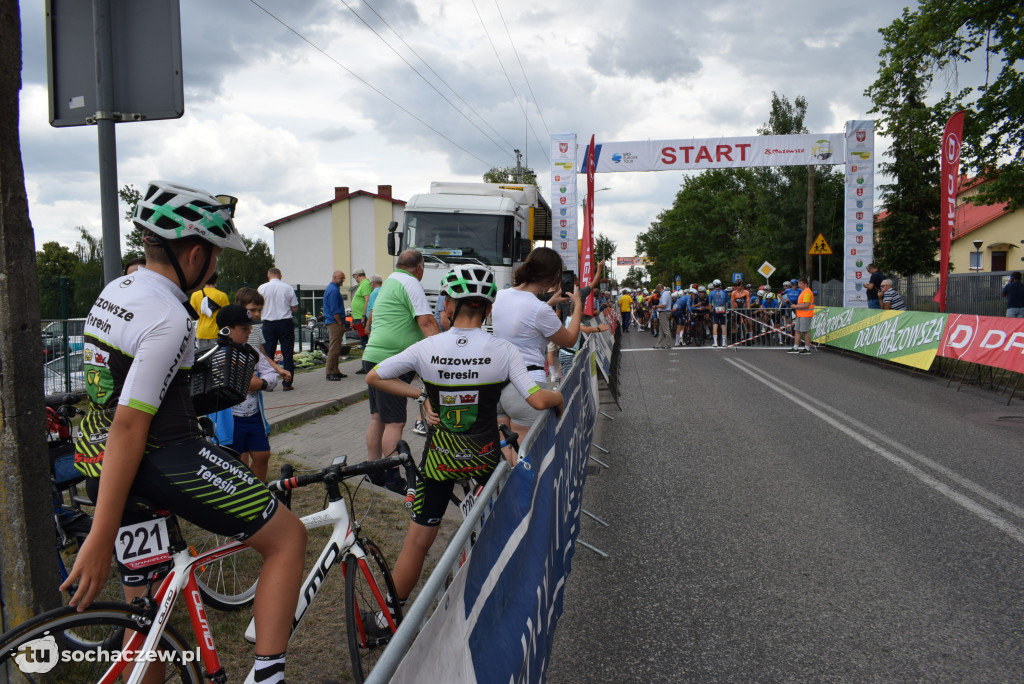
457,223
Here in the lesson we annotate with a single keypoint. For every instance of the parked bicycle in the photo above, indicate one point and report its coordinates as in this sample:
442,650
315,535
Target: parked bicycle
370,616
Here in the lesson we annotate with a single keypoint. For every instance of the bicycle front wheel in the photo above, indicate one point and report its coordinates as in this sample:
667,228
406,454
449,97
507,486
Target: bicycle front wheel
47,649
699,334
368,583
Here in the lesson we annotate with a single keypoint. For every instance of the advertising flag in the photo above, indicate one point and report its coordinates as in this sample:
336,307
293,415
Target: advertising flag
563,198
587,267
949,173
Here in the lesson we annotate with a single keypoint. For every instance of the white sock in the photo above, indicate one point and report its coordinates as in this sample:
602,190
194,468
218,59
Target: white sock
269,669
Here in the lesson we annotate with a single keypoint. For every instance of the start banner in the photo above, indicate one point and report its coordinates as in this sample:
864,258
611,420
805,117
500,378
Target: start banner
911,338
719,153
988,340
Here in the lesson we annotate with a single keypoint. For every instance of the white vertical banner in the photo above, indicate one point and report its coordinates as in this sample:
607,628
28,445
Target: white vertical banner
859,245
564,231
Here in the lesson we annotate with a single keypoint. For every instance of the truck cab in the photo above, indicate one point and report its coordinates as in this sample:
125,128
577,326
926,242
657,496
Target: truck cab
487,223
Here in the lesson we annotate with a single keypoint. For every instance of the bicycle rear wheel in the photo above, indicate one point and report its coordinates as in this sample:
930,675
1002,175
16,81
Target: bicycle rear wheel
367,584
227,584
47,649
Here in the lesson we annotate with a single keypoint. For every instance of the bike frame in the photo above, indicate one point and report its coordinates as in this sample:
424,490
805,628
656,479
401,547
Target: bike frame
182,578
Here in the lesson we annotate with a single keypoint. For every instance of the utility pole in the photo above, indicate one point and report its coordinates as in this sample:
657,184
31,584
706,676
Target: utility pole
519,166
808,260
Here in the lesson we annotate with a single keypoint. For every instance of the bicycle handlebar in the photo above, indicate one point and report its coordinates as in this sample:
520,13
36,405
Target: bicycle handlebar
67,399
338,473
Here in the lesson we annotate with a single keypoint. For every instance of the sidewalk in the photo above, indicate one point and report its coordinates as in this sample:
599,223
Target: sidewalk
324,437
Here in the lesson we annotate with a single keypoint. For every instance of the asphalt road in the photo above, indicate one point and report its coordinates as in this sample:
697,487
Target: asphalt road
798,518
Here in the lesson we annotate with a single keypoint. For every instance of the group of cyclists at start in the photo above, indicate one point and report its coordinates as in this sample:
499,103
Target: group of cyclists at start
700,304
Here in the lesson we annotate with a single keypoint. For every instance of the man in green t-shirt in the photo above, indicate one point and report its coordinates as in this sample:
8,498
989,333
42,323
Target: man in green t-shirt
363,289
402,316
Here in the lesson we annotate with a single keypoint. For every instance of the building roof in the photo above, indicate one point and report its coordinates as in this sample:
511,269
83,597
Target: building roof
340,194
969,217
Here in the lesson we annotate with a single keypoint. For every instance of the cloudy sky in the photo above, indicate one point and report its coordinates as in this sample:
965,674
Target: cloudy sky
279,111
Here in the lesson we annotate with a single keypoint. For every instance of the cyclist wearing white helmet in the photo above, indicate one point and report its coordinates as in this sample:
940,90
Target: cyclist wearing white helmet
139,350
463,372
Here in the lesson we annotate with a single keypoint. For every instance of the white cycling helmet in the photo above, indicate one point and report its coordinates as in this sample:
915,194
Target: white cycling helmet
769,295
760,293
702,289
470,282
174,211
716,282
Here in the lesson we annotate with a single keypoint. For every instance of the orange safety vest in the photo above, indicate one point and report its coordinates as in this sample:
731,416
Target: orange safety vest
806,297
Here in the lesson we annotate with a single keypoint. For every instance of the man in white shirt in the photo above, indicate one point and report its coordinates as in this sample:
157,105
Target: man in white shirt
279,305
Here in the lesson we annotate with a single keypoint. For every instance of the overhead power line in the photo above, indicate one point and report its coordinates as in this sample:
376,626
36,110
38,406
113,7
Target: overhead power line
512,87
536,102
367,83
432,86
439,77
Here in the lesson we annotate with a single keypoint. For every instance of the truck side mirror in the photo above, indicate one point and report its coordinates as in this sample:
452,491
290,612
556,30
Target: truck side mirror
392,242
523,248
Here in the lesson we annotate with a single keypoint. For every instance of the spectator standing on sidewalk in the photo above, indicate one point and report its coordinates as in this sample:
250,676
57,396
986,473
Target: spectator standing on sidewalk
874,287
334,318
891,299
804,309
401,317
1014,293
279,305
206,302
363,289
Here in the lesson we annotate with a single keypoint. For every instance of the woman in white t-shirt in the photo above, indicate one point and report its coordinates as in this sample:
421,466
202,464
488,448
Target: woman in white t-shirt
524,316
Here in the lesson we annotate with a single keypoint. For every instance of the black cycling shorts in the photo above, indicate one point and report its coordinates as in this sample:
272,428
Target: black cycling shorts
448,458
718,318
202,483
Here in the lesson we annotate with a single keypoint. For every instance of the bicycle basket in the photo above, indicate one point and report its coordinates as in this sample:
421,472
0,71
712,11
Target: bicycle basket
220,377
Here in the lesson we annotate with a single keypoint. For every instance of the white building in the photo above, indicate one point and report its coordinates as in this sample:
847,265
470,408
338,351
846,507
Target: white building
347,233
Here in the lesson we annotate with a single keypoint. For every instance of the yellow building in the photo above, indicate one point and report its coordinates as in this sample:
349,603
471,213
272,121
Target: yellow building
985,238
348,232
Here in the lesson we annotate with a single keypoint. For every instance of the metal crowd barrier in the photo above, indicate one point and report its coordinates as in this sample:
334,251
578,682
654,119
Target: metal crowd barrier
759,327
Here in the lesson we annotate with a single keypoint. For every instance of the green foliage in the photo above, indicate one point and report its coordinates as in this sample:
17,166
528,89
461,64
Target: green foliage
927,45
70,278
235,269
732,220
130,195
635,276
604,248
507,174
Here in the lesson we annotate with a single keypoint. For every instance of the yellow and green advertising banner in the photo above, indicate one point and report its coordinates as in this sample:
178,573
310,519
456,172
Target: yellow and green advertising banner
911,338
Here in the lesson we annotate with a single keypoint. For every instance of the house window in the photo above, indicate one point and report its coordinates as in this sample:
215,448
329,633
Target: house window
976,258
998,261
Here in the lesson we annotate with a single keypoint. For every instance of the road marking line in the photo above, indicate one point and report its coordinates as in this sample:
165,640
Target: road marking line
788,391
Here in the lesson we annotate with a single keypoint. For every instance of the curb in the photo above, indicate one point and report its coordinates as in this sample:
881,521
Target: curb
318,410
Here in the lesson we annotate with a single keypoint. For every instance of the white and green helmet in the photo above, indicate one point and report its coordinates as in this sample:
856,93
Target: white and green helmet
174,211
470,282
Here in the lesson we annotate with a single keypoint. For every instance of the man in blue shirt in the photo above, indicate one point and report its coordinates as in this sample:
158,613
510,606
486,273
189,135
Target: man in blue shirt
719,301
334,317
1014,293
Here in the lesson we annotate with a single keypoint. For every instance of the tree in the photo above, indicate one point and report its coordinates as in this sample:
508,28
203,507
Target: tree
130,195
907,241
635,277
932,41
235,269
53,262
508,174
604,248
27,571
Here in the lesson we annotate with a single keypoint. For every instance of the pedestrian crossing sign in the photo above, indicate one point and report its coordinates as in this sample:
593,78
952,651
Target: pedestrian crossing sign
821,247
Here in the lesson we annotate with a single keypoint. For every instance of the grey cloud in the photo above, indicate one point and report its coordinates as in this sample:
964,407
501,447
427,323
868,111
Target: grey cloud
333,134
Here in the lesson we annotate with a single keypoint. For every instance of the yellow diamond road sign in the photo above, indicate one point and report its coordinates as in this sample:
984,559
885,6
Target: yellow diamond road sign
821,246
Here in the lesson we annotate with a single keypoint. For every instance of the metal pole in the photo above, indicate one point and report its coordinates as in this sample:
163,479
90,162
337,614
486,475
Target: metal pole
102,43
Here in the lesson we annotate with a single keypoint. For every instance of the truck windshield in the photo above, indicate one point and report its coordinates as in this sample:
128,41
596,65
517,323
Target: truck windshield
472,236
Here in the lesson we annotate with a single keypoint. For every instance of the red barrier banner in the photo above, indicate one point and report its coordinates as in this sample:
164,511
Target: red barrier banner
988,340
950,173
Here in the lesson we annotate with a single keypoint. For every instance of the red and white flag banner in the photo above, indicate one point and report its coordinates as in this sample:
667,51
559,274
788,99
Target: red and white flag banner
988,340
949,174
587,267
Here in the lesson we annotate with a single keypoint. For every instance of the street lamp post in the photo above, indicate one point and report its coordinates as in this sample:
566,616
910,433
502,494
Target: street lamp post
977,283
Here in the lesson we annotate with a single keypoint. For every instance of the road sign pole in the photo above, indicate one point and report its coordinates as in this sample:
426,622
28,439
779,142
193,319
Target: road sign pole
107,139
821,283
